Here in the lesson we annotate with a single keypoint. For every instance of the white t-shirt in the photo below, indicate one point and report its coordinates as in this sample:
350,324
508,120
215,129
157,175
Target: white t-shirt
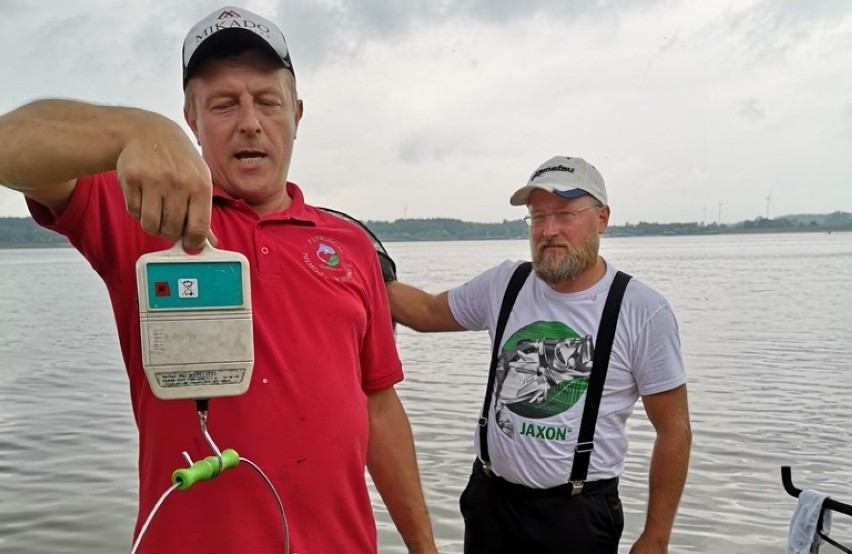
543,369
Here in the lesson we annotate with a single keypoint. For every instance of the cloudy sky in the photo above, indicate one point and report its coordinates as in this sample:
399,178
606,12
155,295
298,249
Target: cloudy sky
441,108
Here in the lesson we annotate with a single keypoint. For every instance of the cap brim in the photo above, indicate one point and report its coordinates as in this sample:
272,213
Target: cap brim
522,195
570,194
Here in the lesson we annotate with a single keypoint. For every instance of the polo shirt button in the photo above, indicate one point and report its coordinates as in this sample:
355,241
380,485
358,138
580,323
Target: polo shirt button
264,250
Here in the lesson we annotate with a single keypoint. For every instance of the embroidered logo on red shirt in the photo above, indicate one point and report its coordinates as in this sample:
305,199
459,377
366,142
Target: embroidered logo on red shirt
327,258
328,255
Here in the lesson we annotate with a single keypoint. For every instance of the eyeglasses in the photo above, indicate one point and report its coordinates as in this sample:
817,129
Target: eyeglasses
562,218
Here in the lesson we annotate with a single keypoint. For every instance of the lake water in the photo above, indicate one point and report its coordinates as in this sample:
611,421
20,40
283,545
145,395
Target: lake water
766,326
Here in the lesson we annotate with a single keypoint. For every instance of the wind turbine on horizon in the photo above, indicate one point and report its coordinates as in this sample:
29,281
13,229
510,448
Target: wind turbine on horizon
768,200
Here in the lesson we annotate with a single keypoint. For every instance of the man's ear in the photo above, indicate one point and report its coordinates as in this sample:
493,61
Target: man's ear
192,121
603,219
297,114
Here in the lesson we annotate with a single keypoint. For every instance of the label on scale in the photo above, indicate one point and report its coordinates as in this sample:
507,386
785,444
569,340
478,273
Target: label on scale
196,322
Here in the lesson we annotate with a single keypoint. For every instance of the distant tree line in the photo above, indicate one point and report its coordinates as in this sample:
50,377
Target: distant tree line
454,229
446,229
836,221
23,231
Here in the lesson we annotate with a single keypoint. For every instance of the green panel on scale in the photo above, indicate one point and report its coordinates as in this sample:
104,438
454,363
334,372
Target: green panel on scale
195,285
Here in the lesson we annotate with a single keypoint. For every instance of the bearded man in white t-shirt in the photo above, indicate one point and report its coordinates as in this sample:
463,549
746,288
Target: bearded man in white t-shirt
523,494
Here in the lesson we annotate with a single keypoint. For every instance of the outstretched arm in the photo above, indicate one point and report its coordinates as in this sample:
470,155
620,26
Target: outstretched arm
420,310
669,414
47,144
392,463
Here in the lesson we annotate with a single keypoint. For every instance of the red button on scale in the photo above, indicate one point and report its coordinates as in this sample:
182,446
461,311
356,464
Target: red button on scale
161,288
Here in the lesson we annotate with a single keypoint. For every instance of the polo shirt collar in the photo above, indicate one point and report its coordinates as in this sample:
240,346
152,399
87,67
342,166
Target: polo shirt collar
297,211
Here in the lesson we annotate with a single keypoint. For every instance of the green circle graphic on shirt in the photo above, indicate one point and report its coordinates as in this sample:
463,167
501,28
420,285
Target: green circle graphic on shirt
540,390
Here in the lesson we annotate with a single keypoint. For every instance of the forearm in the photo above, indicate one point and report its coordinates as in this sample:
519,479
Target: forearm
406,304
419,309
392,463
667,477
48,142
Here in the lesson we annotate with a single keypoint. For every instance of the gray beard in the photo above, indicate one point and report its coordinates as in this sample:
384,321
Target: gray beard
554,269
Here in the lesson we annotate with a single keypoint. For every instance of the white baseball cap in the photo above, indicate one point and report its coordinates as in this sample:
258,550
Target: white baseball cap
232,29
565,177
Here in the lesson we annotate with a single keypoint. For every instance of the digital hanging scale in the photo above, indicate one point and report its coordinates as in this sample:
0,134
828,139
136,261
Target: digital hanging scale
196,322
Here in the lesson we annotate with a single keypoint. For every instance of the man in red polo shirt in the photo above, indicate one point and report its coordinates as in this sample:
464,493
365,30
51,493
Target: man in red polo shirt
121,182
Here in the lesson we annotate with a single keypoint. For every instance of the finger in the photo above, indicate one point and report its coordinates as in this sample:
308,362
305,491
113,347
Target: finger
150,213
133,201
173,216
197,220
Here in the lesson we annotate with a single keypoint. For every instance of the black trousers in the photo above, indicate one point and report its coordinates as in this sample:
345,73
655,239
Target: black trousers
504,518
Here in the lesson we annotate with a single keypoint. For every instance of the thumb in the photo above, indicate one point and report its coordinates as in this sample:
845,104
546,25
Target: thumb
212,238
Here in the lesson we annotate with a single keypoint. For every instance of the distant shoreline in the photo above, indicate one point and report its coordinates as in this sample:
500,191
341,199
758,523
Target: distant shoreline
64,244
24,232
736,232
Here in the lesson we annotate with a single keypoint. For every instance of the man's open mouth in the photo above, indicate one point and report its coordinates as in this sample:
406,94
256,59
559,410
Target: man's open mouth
249,157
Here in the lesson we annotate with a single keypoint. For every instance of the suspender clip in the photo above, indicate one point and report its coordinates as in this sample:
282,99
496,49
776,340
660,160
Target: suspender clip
577,487
485,466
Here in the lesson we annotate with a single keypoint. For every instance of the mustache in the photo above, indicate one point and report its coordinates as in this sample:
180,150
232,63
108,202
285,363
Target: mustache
551,243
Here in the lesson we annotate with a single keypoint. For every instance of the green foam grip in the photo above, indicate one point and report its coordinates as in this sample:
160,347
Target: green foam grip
204,470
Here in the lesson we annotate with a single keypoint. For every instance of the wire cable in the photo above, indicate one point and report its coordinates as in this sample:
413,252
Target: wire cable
204,470
151,516
277,501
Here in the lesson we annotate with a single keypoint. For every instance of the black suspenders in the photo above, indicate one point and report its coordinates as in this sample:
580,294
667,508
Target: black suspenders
600,364
512,290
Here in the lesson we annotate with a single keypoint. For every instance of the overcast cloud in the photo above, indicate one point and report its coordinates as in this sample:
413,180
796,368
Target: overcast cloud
442,108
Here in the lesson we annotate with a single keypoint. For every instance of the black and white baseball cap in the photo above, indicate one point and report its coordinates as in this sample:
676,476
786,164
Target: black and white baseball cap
234,29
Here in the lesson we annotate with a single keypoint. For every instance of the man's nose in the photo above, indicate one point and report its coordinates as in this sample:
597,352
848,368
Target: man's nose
550,226
249,121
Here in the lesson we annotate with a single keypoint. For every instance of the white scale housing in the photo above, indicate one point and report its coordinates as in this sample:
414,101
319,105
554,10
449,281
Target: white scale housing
196,322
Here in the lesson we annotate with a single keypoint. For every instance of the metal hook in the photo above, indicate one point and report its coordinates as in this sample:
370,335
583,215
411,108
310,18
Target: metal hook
202,416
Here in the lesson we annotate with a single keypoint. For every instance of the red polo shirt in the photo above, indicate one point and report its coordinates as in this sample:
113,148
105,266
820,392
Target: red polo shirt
322,338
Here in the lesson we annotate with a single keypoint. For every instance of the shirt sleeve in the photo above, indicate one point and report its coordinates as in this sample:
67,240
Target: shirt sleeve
657,360
475,304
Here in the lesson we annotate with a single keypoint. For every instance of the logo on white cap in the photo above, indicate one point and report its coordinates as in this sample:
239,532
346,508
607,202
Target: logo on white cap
540,172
